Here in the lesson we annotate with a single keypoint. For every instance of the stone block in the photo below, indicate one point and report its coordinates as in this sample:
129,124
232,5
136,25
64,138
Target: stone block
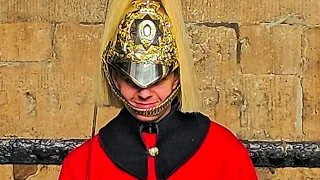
24,89
272,107
6,172
56,11
36,108
228,11
252,11
271,50
46,172
77,49
230,102
288,173
80,11
214,52
244,12
25,42
53,100
311,86
105,115
259,107
22,172
214,49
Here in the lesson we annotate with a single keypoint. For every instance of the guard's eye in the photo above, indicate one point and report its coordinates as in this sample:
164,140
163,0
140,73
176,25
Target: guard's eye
129,81
159,83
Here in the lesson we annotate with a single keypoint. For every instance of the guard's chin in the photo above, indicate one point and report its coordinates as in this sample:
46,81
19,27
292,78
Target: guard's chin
155,118
147,119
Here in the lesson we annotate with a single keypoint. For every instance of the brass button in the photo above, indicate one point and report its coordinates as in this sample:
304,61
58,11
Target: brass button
153,151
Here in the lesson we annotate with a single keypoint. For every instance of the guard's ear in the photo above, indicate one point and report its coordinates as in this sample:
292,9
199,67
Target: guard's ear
176,78
115,79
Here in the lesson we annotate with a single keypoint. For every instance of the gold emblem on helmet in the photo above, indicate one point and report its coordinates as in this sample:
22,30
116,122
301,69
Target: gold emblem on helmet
147,32
144,36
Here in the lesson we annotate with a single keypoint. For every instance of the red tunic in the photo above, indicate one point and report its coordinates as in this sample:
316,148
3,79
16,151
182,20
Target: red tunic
221,156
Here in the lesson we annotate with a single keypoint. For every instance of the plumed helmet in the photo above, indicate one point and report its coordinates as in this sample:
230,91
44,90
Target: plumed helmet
145,40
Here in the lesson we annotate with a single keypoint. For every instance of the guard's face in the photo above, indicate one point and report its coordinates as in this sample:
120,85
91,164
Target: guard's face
146,98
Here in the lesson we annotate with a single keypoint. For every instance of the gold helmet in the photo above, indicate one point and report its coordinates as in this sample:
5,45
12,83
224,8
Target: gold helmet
145,40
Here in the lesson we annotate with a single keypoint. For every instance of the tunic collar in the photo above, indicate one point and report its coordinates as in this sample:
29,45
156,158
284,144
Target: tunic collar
179,136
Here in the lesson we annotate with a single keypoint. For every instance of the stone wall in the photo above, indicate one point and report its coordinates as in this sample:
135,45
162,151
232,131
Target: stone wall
258,64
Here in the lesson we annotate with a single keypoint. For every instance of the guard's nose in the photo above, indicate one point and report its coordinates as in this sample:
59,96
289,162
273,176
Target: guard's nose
144,93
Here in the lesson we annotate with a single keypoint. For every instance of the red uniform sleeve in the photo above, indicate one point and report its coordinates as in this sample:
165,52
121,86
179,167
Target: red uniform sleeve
65,173
74,166
239,167
235,161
